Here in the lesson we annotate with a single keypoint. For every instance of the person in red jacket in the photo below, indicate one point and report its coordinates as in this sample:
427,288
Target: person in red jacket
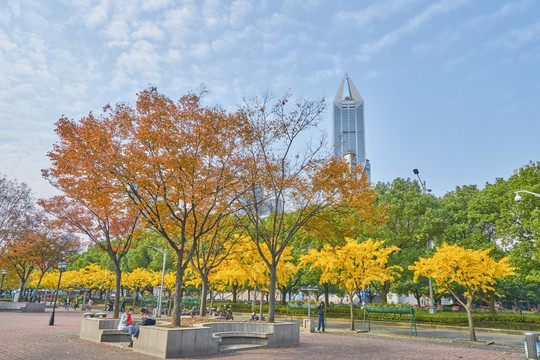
126,323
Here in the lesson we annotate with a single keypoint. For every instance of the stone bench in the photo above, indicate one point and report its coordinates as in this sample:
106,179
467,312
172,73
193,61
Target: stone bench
114,335
92,314
102,330
241,337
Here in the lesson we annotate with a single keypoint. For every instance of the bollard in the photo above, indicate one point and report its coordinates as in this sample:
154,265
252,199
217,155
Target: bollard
532,345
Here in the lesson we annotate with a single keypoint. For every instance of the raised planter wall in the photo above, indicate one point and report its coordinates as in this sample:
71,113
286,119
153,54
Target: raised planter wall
90,328
200,340
22,306
175,342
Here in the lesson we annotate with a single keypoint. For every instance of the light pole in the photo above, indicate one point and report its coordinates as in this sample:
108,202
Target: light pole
164,252
4,272
61,266
429,245
518,198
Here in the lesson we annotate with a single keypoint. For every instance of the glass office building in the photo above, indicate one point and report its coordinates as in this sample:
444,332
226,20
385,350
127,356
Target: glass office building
349,135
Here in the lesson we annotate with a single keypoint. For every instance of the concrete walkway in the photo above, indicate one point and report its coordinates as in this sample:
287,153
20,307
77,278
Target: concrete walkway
28,336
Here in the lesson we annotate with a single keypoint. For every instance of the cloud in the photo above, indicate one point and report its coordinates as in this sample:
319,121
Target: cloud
149,31
378,10
415,23
518,37
487,20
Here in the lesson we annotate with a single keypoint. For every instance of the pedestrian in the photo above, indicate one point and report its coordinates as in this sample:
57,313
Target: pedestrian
123,305
66,304
320,309
90,302
75,303
126,323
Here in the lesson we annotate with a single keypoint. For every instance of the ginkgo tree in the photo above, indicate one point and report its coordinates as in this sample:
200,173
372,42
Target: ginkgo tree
353,266
452,266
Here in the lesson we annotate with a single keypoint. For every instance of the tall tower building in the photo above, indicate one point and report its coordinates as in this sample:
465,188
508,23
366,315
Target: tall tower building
349,134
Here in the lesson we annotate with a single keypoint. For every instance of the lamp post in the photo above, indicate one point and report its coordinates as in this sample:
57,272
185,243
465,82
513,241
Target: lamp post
518,198
4,272
61,266
164,252
429,245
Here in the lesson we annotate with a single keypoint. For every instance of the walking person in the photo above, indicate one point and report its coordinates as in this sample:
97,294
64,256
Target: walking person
90,302
320,309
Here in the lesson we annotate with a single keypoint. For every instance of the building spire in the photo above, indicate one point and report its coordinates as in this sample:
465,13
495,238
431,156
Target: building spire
347,93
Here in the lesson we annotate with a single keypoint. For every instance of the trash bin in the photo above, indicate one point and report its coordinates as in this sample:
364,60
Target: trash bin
532,345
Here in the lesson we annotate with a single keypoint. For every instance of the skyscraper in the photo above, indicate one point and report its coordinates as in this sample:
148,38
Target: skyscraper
349,135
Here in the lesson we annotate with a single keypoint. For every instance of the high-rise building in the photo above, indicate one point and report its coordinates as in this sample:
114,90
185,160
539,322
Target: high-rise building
530,164
349,134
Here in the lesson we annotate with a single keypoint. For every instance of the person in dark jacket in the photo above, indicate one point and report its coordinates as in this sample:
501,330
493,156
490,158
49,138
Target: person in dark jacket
147,319
320,309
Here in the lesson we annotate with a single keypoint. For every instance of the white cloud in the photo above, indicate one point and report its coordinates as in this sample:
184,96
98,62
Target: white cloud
378,10
486,20
98,14
148,30
518,37
409,27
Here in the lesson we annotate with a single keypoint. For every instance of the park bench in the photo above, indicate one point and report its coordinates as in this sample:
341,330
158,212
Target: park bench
234,340
92,314
390,310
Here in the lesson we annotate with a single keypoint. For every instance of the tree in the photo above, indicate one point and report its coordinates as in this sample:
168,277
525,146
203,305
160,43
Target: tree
17,211
519,224
174,161
51,248
353,266
283,184
412,221
93,203
211,250
452,266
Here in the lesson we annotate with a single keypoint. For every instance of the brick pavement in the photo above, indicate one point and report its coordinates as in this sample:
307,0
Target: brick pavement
28,336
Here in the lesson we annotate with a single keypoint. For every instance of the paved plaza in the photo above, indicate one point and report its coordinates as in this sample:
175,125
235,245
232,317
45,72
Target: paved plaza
28,336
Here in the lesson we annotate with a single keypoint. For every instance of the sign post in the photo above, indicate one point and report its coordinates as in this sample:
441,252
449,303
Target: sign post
309,288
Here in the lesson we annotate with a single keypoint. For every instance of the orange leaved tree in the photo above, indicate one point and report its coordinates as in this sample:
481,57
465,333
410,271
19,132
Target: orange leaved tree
174,161
93,203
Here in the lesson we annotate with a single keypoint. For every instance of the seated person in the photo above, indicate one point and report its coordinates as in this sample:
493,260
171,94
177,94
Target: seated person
126,323
147,319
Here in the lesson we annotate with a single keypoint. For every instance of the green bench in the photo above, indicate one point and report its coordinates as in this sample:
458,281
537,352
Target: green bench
390,310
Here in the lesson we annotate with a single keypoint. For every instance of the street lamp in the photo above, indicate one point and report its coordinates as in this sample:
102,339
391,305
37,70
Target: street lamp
61,266
429,245
518,198
164,252
4,272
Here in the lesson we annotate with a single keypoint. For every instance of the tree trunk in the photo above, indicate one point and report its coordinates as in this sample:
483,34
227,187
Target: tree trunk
326,294
351,307
272,294
472,333
234,291
118,283
491,302
177,311
384,292
37,286
204,293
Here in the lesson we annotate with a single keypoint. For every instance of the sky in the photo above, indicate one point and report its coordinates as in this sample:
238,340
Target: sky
451,87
